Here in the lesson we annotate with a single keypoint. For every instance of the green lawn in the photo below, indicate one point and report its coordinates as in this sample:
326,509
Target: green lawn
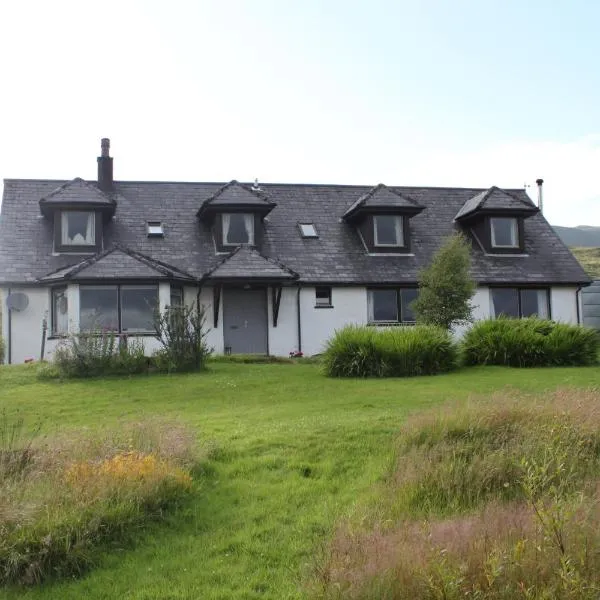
293,453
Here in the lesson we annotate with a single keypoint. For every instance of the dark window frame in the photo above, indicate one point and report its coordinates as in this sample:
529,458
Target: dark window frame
484,229
53,317
401,228
366,229
328,294
398,289
252,235
519,290
308,224
178,289
73,249
119,286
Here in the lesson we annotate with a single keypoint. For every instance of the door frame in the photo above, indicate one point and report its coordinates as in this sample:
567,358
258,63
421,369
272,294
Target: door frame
248,287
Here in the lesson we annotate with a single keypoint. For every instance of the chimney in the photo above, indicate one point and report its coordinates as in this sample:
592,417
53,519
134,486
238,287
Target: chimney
105,167
540,195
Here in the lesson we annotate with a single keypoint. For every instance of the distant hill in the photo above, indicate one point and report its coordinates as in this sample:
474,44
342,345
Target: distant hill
582,236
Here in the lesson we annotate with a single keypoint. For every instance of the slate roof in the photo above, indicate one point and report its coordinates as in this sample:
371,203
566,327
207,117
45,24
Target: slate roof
77,191
496,199
247,263
382,197
117,263
236,194
337,256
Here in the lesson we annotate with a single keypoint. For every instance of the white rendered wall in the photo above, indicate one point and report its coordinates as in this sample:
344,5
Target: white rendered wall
215,335
283,339
482,309
563,304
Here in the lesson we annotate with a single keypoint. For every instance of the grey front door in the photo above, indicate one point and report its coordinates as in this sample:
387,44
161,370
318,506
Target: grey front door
245,321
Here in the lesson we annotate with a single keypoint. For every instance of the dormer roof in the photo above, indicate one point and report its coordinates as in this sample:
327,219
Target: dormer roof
382,199
495,200
75,194
247,263
236,197
117,263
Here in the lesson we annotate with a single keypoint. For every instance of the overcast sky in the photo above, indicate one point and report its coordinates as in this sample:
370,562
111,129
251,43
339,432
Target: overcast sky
406,92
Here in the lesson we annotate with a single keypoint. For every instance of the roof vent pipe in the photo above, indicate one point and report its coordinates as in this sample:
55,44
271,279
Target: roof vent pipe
105,167
540,182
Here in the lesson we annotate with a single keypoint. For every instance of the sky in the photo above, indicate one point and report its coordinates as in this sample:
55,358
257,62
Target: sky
469,93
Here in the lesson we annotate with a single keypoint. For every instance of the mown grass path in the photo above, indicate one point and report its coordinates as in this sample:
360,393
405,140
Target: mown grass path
293,452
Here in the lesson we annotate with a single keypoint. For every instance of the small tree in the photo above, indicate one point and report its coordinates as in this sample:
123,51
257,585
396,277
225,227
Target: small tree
446,286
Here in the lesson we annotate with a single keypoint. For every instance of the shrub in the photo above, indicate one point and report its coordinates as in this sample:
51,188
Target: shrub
95,353
182,332
529,342
393,352
77,494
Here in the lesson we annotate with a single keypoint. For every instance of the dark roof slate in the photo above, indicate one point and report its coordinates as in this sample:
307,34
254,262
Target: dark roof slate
235,194
77,190
337,256
382,197
247,263
495,199
117,263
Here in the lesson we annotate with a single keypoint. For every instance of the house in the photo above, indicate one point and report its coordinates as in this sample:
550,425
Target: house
278,267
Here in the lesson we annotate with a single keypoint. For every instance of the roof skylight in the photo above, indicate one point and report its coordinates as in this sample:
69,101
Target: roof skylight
308,230
155,229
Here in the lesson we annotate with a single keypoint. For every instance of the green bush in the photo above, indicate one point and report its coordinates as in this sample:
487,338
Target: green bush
530,342
181,331
92,354
393,352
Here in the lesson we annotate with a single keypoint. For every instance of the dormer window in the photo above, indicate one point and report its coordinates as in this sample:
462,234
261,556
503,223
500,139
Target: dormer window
78,228
388,231
238,229
504,232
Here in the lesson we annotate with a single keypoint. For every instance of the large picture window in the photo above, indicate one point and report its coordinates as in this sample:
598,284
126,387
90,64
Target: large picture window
78,228
388,230
123,309
238,228
505,232
391,305
521,302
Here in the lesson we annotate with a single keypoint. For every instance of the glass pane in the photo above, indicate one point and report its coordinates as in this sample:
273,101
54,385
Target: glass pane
308,230
506,302
60,312
238,228
98,308
388,230
383,305
406,298
534,302
78,228
176,296
504,232
323,296
137,308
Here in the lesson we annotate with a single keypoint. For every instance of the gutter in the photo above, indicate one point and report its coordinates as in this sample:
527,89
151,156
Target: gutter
299,319
577,299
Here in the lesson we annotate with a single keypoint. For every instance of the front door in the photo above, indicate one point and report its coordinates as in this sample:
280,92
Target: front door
245,321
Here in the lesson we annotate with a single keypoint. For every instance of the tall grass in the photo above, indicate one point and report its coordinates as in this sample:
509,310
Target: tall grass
495,499
530,342
76,494
392,352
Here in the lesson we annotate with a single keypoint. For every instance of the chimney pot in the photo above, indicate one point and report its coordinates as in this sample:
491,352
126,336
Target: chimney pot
105,146
539,181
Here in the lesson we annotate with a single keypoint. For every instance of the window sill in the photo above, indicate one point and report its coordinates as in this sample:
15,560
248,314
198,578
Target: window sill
57,337
323,305
391,324
390,253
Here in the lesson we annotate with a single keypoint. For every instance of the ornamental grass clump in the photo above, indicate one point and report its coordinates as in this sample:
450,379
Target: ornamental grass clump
494,499
530,342
77,494
389,352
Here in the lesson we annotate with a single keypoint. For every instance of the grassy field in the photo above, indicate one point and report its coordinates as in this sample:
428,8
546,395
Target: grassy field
589,259
292,453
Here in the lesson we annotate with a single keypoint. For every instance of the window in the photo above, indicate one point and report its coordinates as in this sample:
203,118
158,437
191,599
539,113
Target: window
124,309
308,230
59,312
155,229
392,305
176,296
505,232
238,228
323,297
387,230
521,302
78,228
